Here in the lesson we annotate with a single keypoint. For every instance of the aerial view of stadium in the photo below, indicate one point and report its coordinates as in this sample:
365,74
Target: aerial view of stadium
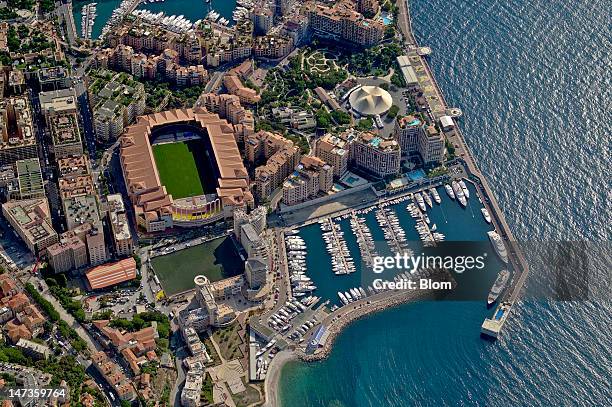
183,168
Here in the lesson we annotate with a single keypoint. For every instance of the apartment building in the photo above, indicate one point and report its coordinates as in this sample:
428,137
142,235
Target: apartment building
415,136
122,237
311,177
31,220
280,157
376,155
18,140
116,100
335,151
65,135
342,23
57,103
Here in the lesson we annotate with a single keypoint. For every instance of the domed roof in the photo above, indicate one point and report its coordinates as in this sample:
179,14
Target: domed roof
370,100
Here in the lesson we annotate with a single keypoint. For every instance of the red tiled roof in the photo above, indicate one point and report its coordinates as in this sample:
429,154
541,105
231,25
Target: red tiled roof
112,273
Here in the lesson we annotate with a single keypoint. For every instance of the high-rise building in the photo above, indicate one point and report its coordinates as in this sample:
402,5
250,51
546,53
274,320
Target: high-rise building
368,7
280,156
376,155
57,102
263,20
31,220
415,136
66,135
17,138
342,23
120,227
335,150
69,253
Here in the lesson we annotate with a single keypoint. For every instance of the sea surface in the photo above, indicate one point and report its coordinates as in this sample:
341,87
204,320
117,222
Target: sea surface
191,9
533,79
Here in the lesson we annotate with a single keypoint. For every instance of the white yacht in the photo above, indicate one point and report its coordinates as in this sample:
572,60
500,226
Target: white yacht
498,245
436,196
427,199
465,189
449,191
486,215
419,200
459,193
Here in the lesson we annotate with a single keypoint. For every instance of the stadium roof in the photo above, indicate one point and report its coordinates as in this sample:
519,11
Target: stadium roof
370,100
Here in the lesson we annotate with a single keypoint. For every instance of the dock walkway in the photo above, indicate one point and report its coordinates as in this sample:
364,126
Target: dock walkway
337,243
366,252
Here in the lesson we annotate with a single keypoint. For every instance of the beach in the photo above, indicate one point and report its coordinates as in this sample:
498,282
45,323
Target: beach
273,376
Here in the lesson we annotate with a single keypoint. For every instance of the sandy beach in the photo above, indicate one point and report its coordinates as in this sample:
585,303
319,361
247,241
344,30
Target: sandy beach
273,376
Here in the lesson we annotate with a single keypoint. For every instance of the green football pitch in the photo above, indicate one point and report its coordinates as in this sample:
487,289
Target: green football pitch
178,169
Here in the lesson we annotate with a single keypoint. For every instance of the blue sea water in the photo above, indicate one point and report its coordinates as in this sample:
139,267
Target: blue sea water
533,79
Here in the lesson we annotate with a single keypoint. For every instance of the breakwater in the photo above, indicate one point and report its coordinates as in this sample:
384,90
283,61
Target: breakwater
339,319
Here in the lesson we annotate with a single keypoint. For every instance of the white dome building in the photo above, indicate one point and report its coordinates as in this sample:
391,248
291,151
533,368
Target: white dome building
370,101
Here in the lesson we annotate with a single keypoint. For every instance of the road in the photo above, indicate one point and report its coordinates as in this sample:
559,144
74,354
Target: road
86,117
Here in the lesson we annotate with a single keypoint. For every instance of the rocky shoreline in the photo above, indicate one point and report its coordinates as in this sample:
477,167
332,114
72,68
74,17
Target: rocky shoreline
337,326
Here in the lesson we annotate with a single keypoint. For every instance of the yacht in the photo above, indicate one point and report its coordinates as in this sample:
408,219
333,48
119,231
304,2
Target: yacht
342,298
498,245
459,193
498,286
420,202
486,215
436,196
465,189
449,191
427,199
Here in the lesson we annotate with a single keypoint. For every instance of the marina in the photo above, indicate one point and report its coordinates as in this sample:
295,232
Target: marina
88,18
109,12
386,228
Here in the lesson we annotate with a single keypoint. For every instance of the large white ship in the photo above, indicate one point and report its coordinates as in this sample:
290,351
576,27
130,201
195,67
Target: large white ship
498,245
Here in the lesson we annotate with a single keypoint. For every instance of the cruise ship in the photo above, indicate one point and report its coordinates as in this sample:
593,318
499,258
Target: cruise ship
498,286
498,245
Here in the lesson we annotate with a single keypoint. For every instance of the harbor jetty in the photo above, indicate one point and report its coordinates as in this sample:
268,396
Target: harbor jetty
491,326
336,321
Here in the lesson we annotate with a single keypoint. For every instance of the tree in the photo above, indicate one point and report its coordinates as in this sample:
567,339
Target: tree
393,111
341,117
323,119
365,124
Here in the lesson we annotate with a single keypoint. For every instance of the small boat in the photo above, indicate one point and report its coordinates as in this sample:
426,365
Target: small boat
498,245
486,215
498,286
